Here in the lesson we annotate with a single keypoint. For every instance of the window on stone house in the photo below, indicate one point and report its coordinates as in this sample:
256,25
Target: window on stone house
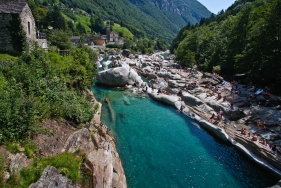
28,25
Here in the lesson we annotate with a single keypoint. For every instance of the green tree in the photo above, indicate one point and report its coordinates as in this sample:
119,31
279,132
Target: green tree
80,28
60,39
97,24
188,59
55,19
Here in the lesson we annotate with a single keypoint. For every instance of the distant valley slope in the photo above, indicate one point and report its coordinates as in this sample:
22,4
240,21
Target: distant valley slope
154,18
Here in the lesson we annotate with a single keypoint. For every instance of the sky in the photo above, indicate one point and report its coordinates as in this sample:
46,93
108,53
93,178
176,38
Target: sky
216,5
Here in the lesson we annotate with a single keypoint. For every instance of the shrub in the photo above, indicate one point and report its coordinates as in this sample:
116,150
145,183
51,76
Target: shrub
67,163
13,147
217,68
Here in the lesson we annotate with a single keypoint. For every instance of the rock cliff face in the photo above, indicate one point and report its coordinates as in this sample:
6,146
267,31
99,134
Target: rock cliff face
103,160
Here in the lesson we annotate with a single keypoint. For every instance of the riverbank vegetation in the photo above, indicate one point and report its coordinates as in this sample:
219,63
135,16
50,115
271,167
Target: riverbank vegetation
39,85
67,163
245,40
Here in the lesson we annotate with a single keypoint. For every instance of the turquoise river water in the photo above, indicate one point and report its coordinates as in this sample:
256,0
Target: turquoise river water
160,147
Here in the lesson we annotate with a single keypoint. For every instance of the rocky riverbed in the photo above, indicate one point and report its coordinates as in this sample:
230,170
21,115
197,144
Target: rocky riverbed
201,95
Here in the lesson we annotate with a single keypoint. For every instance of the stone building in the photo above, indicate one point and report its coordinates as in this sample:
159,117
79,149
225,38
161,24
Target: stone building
10,11
75,40
99,40
115,38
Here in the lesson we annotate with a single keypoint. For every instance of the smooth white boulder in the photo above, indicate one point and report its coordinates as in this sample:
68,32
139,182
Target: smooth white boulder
119,76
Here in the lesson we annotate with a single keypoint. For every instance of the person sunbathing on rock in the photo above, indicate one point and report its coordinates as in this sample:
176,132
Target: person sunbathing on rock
231,103
210,94
180,92
190,86
213,117
243,131
223,99
215,89
263,142
159,91
255,137
218,97
264,126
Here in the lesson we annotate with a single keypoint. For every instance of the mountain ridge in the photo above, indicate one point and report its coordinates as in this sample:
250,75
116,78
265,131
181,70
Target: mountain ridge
153,18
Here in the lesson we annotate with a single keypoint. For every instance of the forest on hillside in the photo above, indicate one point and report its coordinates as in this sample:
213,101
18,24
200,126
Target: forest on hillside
142,18
245,40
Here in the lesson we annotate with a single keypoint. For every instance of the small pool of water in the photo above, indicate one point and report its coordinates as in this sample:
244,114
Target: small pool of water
161,147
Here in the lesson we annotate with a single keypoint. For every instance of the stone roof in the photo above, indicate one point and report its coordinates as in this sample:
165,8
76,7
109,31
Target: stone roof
12,6
75,38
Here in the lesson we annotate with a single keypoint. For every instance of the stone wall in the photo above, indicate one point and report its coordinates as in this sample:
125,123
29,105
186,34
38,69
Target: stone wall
5,38
43,44
28,24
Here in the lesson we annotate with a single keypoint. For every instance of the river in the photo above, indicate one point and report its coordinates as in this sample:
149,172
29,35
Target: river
160,147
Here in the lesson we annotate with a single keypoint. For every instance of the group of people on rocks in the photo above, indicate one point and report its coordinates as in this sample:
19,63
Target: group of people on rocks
235,90
262,141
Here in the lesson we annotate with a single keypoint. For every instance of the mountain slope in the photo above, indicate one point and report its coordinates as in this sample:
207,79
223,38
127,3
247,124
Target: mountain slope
153,18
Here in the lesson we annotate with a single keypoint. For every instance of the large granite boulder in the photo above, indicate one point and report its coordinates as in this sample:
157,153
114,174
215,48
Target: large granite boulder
169,75
190,99
126,52
148,69
52,178
236,115
119,76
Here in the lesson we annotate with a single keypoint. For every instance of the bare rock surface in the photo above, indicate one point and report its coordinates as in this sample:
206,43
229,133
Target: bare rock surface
52,178
13,162
51,141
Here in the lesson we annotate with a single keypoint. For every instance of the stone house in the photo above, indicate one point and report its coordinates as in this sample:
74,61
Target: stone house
75,40
115,38
88,41
99,40
16,16
13,13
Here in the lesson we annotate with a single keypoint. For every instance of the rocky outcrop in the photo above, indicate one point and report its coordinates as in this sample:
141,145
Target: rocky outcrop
126,52
119,76
13,162
52,141
103,160
17,162
52,178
